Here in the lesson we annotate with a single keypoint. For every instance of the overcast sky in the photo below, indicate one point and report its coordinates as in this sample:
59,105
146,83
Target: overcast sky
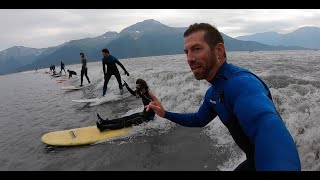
42,28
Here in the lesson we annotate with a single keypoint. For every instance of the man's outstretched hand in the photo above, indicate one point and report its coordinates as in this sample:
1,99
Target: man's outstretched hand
156,106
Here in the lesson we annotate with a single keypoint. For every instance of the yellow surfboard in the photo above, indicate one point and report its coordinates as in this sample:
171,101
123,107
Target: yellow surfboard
81,136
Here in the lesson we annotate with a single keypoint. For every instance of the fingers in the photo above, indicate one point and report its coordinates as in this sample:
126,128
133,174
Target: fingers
156,101
157,109
151,105
151,93
154,97
154,107
147,108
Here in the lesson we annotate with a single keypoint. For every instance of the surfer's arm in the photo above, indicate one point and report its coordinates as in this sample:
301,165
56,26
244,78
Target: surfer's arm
199,119
104,68
134,93
120,64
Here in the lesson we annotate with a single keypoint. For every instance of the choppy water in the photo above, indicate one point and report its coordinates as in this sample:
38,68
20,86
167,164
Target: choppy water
32,103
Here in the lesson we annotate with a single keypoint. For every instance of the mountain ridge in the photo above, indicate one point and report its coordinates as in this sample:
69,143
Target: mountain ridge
307,37
146,38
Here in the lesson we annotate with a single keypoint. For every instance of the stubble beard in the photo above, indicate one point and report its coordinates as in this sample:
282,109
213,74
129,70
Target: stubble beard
198,75
205,72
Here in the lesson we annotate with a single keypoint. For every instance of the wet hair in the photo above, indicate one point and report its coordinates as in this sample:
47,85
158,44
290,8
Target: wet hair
82,54
212,36
143,84
105,50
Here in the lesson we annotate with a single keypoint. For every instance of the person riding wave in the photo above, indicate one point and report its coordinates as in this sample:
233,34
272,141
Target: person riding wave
142,90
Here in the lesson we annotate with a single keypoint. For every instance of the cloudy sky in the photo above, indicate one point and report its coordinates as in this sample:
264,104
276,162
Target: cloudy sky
42,28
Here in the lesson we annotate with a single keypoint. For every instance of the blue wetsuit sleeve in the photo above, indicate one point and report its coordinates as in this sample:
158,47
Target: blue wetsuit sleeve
274,146
103,68
199,119
120,64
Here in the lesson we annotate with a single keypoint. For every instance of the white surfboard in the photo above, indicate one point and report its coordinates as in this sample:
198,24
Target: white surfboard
105,99
101,100
86,100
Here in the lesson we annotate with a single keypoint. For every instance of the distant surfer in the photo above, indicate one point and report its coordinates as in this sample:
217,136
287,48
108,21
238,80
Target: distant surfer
62,67
112,69
142,90
84,69
54,73
53,68
71,73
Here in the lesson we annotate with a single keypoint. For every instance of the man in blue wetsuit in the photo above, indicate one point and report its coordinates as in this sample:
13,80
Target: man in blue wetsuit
240,99
112,69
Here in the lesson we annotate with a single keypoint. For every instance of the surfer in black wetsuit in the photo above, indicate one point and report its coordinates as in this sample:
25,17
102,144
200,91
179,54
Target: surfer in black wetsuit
84,69
62,68
53,68
112,69
71,73
142,90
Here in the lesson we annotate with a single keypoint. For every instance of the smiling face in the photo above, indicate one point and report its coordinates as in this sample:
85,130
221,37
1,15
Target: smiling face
203,60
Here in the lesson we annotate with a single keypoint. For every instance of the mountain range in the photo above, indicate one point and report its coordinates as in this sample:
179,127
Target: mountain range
146,38
308,37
